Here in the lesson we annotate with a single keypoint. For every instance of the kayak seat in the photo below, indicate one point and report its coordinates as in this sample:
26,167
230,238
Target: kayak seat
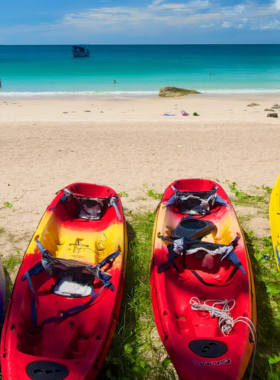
196,202
193,228
86,208
80,206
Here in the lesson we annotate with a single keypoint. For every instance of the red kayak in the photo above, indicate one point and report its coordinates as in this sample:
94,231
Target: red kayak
202,283
66,300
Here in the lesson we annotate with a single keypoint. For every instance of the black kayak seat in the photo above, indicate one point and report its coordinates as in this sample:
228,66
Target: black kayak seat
193,228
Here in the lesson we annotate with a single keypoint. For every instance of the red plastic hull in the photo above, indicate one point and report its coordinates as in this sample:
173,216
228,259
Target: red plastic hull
178,325
79,342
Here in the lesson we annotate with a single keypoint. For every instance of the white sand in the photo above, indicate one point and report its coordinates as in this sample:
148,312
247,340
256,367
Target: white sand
129,147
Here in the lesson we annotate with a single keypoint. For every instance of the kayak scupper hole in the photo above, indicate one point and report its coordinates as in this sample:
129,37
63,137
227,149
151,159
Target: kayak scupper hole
4,355
13,328
98,339
165,313
165,337
83,338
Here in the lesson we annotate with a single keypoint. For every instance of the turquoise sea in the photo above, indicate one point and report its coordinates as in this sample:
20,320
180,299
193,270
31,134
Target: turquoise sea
138,69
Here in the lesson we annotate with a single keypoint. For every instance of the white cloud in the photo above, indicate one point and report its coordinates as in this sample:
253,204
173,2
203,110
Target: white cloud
226,24
277,4
157,18
157,2
272,25
236,10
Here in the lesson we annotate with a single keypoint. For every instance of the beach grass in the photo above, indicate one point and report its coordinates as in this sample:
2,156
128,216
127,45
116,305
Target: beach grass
136,351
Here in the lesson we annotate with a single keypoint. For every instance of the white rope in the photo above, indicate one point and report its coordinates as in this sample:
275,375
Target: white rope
226,322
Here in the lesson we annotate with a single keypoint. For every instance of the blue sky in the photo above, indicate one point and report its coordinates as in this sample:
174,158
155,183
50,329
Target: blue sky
139,22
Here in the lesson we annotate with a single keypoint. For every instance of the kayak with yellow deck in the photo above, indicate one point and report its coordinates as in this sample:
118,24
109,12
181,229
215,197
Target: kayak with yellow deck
274,218
67,296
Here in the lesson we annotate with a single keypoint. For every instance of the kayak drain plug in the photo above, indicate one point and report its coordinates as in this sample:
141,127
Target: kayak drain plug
46,370
208,348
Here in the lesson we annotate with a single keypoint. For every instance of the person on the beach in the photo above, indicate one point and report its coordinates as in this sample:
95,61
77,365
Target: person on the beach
114,81
0,83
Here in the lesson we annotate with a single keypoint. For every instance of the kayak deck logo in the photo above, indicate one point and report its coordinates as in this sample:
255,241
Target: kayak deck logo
220,362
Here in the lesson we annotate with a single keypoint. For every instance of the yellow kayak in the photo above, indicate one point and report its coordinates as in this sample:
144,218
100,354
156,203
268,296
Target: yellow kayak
67,296
274,218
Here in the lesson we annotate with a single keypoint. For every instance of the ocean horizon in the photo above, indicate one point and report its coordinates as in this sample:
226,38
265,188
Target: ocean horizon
139,70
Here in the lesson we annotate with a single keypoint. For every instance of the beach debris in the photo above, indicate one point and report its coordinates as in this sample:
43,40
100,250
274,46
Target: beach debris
275,106
170,91
169,114
253,105
64,112
269,110
184,113
87,111
274,114
195,114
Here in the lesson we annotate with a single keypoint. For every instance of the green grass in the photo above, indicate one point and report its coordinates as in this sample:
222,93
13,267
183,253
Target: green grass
123,194
136,351
267,283
10,262
244,198
153,194
7,204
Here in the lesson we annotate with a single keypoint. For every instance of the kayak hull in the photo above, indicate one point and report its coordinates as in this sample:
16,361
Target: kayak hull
180,327
274,218
76,346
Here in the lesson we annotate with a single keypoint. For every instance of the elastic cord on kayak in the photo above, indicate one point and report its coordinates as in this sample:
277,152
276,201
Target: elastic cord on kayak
226,322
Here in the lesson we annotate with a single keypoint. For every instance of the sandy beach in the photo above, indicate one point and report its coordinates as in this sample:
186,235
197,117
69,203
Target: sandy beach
129,145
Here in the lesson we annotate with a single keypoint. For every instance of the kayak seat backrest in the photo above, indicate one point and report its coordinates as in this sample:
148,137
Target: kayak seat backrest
193,202
91,208
86,207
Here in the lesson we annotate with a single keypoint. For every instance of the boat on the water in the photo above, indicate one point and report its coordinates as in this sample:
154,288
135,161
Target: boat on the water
80,51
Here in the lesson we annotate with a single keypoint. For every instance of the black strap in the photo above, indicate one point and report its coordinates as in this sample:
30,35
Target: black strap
185,242
102,276
235,269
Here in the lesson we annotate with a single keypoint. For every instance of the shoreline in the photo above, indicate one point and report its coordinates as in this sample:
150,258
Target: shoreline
107,109
116,95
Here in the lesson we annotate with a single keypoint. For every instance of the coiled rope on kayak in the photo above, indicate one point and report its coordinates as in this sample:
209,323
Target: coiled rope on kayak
226,322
